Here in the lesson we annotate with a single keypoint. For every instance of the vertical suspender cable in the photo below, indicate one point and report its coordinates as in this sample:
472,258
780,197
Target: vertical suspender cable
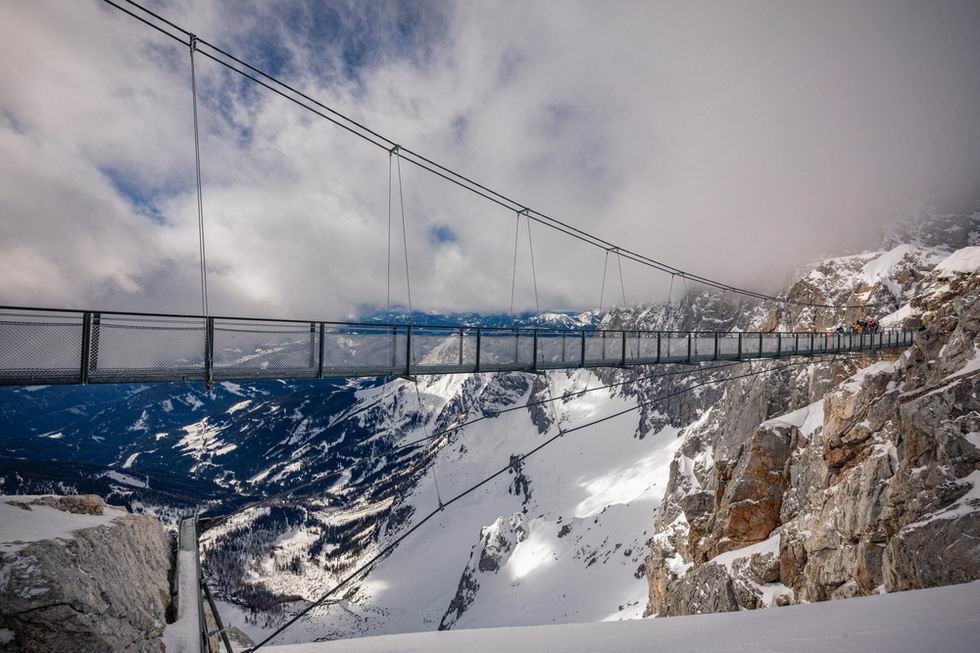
602,293
401,201
200,200
411,317
513,278
394,338
388,259
622,285
534,274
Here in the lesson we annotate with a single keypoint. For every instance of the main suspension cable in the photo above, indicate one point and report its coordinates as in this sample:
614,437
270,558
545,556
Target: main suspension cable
292,94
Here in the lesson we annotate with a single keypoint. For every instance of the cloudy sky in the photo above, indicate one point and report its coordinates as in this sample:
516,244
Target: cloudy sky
735,139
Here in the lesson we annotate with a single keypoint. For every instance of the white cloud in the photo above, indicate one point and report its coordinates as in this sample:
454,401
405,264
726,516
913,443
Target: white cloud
736,140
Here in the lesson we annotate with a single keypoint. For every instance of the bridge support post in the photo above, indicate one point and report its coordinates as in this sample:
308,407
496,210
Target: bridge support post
658,346
717,353
86,344
312,346
477,367
623,361
689,340
760,344
209,353
461,348
534,357
779,344
323,338
582,361
739,356
812,340
93,361
408,351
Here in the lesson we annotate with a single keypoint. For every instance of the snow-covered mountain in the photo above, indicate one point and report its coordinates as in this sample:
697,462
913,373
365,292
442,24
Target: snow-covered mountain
566,535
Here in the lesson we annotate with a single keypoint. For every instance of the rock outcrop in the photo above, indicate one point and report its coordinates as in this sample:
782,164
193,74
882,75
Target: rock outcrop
102,587
875,487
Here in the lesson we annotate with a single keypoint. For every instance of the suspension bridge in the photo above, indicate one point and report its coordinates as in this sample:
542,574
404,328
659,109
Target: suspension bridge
49,346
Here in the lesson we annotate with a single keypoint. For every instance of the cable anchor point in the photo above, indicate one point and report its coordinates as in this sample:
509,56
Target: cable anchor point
395,150
192,43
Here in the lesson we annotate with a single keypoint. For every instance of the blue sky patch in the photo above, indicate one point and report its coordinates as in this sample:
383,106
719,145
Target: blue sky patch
440,234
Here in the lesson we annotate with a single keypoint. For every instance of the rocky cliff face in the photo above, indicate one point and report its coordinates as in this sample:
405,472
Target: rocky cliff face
871,486
81,576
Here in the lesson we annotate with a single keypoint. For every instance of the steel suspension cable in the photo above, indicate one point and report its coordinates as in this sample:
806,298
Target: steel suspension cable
401,202
369,564
513,278
200,194
320,109
602,292
622,285
534,274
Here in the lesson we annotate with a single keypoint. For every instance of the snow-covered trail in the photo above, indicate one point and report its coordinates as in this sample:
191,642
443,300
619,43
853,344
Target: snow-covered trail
941,619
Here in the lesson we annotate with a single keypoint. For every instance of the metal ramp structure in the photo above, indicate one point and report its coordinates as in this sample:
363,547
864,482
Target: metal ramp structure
52,346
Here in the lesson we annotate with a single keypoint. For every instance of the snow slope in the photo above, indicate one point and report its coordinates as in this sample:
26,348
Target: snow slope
942,619
581,524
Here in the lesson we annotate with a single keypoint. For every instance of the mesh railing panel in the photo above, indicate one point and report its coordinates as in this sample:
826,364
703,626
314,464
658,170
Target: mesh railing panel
728,345
142,347
551,350
602,347
647,345
41,345
347,349
442,349
673,348
266,349
498,349
703,347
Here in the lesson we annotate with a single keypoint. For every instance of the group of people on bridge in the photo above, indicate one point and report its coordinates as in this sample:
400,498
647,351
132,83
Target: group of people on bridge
859,327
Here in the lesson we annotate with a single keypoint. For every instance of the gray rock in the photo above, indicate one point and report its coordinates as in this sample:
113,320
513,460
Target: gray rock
707,588
105,589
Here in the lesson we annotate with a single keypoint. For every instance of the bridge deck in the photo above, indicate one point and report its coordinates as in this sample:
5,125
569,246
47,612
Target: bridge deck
46,346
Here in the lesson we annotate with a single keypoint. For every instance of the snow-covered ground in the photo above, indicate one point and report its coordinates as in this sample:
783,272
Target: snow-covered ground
23,522
942,619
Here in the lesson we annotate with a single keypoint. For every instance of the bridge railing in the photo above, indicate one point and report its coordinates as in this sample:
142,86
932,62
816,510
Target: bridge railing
43,346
